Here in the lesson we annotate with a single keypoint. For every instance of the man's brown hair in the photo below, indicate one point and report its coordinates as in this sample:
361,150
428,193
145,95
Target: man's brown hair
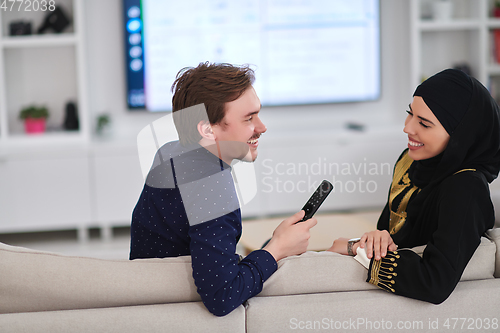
210,84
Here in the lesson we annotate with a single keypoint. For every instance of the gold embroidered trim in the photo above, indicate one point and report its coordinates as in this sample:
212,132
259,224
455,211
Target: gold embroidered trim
400,182
464,170
382,273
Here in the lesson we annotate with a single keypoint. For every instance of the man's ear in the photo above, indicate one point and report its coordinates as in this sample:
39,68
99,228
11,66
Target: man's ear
205,130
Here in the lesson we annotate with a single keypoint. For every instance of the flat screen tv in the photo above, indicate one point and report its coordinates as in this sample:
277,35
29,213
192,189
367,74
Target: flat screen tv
302,51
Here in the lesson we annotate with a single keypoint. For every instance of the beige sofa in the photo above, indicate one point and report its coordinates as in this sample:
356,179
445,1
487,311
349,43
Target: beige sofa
317,291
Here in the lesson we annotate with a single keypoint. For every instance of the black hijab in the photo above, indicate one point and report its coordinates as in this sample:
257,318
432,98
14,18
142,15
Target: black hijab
470,115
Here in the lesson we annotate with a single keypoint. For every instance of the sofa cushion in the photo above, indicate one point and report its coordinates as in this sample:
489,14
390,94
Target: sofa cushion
38,281
319,272
316,272
482,264
494,235
179,317
377,311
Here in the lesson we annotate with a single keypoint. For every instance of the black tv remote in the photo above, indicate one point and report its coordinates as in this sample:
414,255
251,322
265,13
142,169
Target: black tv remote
316,199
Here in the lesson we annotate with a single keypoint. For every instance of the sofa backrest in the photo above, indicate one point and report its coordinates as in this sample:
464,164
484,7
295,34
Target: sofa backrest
494,235
320,272
41,281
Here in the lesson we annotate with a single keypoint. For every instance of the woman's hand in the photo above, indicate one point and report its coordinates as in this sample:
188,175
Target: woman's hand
339,246
377,243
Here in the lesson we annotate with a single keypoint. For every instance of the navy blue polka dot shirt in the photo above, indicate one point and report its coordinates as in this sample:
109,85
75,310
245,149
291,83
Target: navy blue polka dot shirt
189,207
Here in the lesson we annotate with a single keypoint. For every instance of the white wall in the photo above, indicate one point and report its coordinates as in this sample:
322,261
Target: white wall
296,134
107,78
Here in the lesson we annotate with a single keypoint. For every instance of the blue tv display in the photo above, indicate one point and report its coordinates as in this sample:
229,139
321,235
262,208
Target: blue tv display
303,52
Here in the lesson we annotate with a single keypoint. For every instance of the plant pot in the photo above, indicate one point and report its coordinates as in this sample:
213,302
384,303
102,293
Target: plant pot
34,125
496,12
442,10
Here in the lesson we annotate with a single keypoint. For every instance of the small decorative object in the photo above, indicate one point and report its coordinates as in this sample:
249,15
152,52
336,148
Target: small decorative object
464,67
56,20
103,123
19,28
34,119
496,9
442,10
496,33
71,122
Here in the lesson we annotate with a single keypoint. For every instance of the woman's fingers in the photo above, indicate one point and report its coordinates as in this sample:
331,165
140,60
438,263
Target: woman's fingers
377,243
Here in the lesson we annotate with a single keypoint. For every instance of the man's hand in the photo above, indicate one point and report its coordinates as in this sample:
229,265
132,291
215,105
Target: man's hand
377,243
290,238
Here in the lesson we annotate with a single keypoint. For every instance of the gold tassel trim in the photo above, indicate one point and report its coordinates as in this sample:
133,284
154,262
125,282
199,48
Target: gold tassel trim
382,273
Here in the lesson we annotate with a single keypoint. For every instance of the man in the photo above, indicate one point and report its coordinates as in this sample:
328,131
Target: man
189,205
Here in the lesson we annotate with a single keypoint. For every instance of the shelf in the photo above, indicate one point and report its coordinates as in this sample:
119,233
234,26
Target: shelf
450,25
56,137
463,40
494,69
39,41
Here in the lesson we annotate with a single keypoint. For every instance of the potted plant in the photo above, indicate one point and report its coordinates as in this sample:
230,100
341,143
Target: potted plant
34,118
103,123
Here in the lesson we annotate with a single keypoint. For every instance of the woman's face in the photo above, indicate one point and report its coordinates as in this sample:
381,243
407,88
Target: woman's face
426,136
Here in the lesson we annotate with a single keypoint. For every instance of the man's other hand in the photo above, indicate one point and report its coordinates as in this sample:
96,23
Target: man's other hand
290,238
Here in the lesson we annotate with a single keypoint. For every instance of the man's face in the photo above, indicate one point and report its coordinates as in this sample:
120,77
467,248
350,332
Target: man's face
238,133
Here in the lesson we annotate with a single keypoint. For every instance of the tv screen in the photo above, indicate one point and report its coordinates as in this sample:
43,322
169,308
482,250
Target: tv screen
303,52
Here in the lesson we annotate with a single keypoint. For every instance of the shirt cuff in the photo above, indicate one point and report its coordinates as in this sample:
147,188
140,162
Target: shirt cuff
264,260
362,258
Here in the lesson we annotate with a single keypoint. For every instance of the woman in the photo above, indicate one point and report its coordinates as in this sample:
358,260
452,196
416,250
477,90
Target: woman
439,195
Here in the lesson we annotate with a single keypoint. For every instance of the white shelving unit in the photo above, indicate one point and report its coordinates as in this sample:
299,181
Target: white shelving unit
45,178
466,38
47,69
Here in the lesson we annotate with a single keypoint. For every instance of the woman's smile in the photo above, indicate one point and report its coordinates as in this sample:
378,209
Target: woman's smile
412,144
